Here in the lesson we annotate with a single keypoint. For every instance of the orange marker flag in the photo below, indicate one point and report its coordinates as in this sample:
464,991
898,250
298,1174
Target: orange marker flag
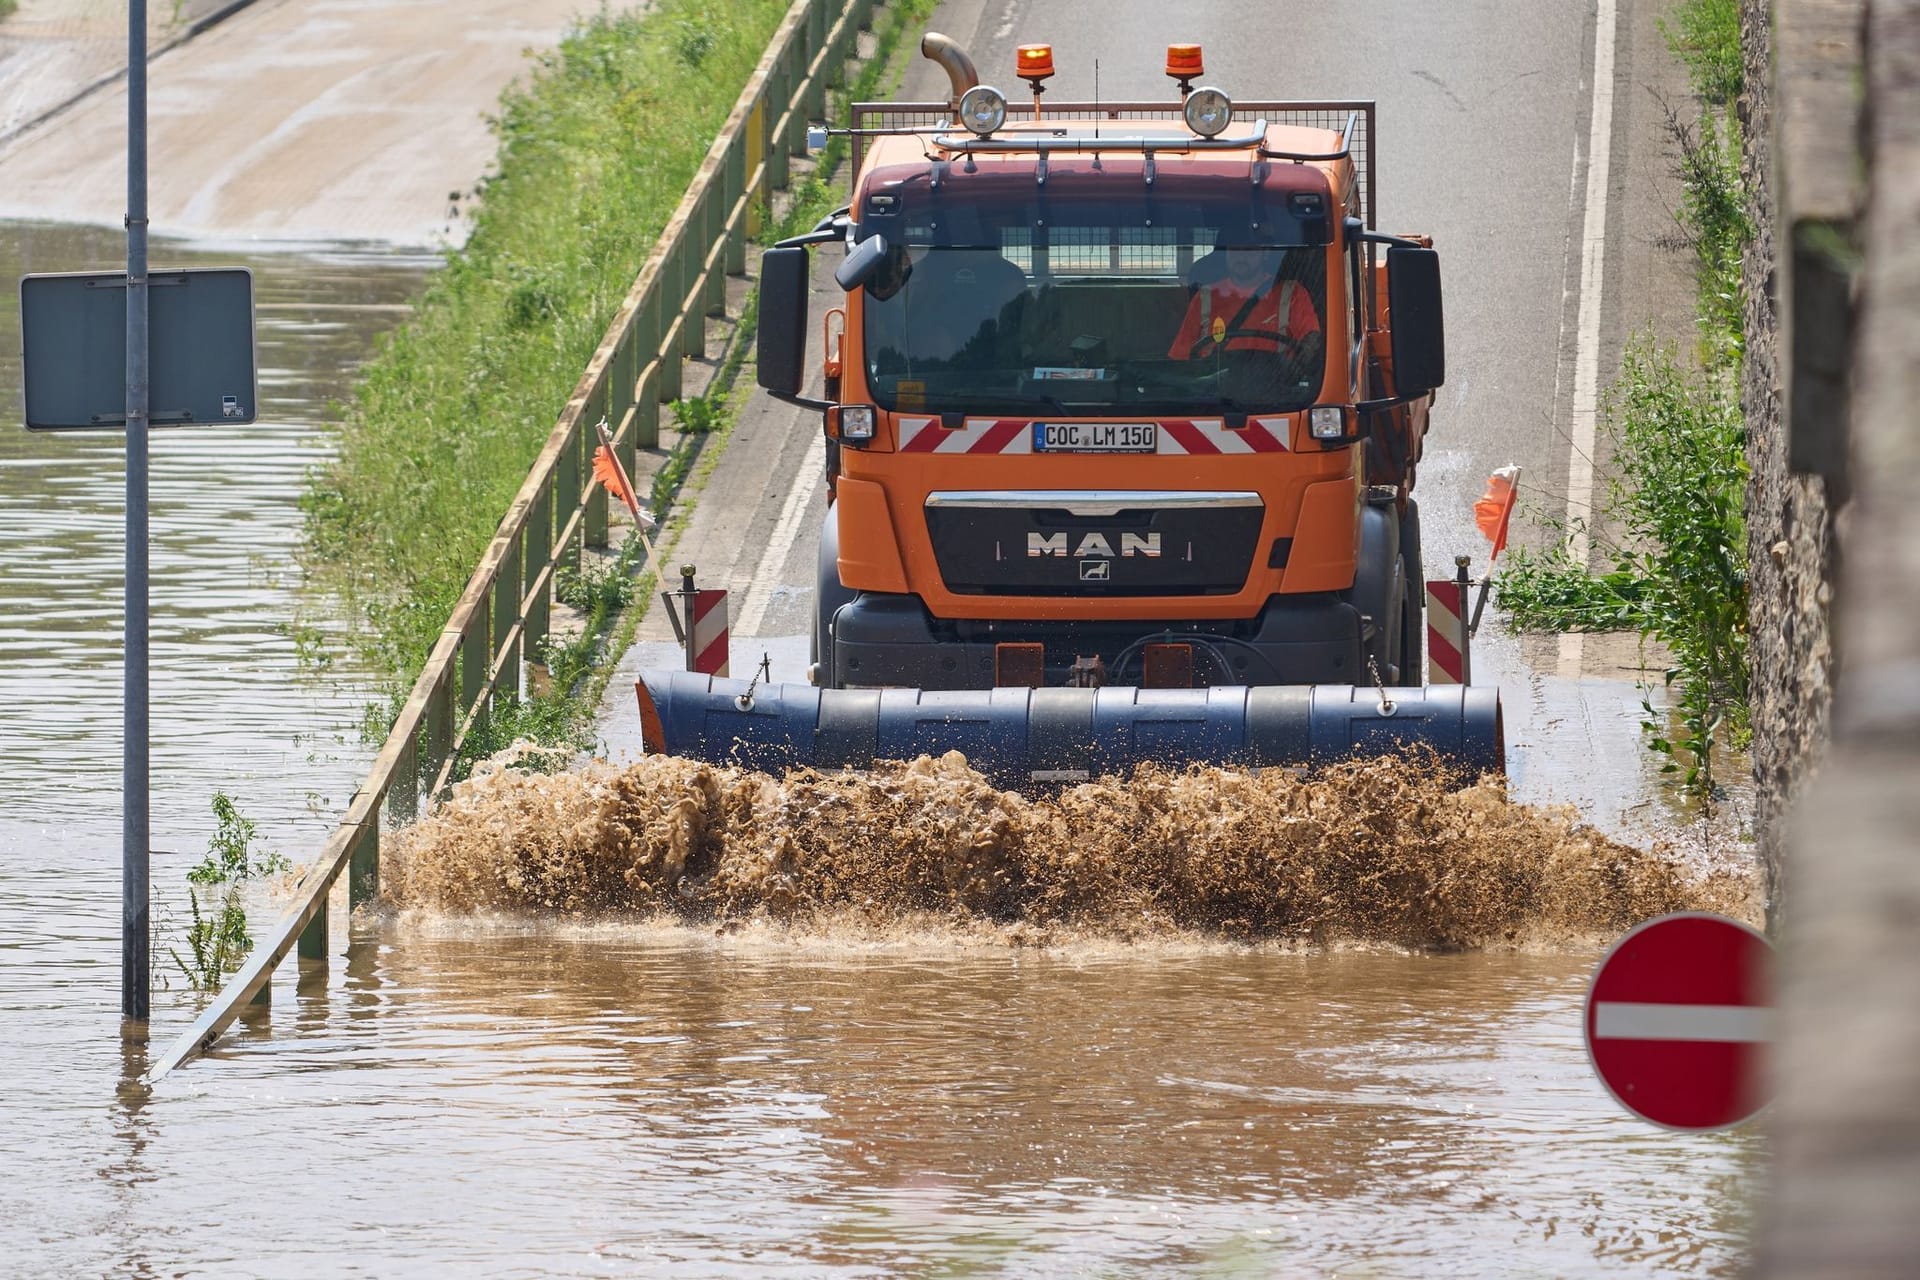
608,471
1495,507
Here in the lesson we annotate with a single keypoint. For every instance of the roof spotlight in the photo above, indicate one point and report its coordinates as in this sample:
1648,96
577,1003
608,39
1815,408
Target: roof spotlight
1208,111
983,109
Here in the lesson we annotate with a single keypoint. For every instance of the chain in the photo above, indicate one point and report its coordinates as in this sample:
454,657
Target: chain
763,671
1386,703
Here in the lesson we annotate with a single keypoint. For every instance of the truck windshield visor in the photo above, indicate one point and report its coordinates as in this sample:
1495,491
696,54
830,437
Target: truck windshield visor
1096,309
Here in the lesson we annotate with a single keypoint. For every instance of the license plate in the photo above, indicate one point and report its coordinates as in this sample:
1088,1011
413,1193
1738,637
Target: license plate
1096,437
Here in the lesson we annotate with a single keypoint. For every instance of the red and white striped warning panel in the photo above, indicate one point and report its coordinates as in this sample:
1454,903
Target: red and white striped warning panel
1445,634
710,631
1679,1018
1016,435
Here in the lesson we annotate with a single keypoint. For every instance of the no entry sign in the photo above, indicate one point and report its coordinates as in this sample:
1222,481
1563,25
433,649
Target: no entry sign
1678,1020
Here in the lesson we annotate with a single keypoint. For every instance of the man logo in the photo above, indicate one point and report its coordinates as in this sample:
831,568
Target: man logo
1093,544
1096,571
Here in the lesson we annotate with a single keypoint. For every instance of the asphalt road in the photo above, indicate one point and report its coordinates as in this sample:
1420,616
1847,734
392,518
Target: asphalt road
1489,117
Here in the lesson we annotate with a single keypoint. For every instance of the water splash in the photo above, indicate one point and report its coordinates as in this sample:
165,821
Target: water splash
1376,851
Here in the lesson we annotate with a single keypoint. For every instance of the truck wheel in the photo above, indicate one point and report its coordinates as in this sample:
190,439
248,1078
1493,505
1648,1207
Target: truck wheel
828,596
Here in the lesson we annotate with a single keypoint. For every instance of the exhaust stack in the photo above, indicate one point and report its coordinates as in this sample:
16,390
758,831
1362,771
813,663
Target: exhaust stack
961,72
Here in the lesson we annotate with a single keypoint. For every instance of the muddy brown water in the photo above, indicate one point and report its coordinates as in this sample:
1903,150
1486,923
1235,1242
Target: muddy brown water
945,1081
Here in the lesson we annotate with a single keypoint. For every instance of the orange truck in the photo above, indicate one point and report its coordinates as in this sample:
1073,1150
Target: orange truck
1123,407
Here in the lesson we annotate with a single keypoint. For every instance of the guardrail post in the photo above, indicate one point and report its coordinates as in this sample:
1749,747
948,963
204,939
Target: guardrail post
475,659
646,423
403,789
802,109
671,355
693,330
779,94
363,864
566,491
622,372
313,938
714,262
506,654
439,729
753,153
539,543
594,522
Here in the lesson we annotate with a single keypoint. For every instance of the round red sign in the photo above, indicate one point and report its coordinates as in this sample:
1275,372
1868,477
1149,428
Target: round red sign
1678,1020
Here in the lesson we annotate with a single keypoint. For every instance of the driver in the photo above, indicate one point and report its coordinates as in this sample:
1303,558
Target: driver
1242,310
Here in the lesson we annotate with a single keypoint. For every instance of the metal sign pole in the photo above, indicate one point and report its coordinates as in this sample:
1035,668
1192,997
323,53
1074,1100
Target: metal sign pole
135,968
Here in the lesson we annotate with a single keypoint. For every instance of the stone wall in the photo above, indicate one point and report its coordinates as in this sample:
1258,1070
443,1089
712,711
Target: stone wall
1790,524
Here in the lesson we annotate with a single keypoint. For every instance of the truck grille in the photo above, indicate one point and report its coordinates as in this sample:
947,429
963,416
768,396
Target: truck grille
1088,543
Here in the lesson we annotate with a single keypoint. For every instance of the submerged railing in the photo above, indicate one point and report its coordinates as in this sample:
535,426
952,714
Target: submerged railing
503,614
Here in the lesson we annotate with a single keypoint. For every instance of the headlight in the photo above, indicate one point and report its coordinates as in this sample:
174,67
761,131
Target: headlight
983,109
1327,422
1208,111
856,422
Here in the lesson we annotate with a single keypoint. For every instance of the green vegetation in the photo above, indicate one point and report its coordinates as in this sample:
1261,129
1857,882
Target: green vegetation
595,153
218,939
1705,34
1677,571
7,7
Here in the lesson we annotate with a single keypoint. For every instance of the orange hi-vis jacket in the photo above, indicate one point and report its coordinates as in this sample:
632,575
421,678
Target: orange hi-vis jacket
1213,309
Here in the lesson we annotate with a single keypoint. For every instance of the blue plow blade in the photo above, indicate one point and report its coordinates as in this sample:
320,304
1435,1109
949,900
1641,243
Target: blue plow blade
1018,736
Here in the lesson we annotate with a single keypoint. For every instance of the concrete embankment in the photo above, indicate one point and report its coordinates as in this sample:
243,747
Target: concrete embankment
56,53
332,120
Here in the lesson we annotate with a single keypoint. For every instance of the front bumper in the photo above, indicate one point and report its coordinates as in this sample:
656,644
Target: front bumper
881,641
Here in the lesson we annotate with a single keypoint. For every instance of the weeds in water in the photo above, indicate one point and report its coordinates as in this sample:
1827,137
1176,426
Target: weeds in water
218,938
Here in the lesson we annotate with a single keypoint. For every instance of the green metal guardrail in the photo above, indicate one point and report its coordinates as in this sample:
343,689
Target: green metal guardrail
504,612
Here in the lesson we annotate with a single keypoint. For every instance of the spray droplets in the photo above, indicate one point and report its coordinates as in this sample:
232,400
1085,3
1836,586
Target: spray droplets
1378,851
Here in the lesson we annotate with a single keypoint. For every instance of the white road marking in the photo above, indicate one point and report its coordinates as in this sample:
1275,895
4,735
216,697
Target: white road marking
1593,257
766,575
1719,1023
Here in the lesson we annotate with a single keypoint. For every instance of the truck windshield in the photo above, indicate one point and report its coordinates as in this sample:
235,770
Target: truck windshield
1094,310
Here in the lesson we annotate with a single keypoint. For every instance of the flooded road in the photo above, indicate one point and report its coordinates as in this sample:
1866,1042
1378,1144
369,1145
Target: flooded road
533,1097
629,1099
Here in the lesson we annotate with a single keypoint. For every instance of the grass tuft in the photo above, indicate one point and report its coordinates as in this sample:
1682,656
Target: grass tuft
1705,35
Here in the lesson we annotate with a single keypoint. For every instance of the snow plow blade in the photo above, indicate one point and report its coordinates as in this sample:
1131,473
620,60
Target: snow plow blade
1018,736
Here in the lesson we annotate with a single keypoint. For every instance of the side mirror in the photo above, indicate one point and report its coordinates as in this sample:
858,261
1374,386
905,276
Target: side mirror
1419,338
862,264
782,338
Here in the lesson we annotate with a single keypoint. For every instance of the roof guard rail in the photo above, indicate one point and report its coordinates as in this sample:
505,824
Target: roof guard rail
1352,120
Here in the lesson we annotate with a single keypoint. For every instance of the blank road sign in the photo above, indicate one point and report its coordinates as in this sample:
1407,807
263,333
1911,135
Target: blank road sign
73,346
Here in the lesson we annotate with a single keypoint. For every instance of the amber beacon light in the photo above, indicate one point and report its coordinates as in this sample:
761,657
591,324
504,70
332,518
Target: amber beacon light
1185,65
1035,63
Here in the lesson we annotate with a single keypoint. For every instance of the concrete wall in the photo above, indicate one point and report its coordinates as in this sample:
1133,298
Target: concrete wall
1790,522
1846,1124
